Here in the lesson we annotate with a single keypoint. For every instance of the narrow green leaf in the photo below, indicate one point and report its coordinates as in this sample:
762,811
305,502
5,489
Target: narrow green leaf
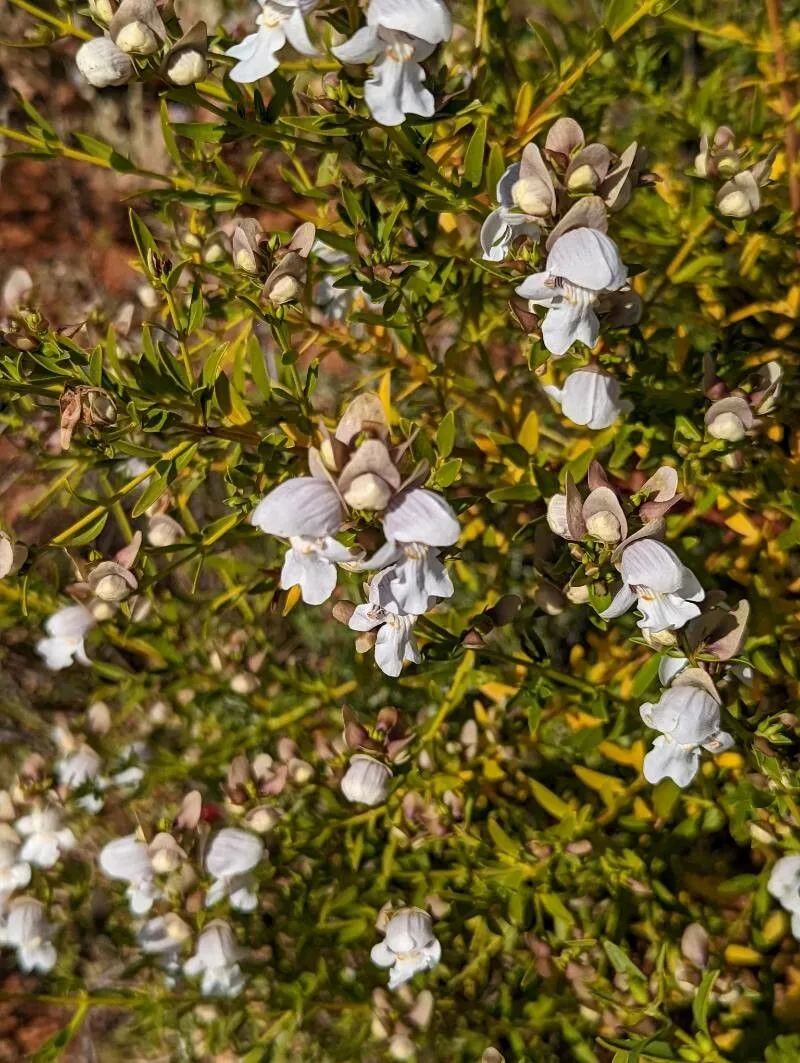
473,157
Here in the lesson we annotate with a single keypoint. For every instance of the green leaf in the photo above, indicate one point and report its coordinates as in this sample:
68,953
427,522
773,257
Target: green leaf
145,244
548,800
702,1000
548,44
473,157
446,434
87,534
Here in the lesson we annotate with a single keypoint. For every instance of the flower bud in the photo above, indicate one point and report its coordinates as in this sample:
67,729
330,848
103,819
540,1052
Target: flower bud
285,290
162,530
366,781
735,204
102,11
262,819
244,683
604,526
99,408
187,67
727,426
578,594
111,582
368,491
166,855
583,179
727,164
216,248
531,197
739,197
138,39
101,63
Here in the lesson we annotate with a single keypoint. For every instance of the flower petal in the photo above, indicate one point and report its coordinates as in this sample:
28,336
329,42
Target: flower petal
623,600
257,55
427,19
362,47
668,761
421,516
302,506
648,563
297,34
588,258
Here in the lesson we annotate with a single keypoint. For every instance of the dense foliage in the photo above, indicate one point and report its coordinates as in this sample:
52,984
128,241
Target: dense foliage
582,912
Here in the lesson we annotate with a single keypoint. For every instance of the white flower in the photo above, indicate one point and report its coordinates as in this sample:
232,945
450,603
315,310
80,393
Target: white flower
66,629
688,717
784,885
654,579
399,35
308,512
412,575
15,873
582,265
310,564
415,522
102,63
45,838
589,398
409,946
232,854
525,194
395,642
164,936
26,929
216,959
278,24
78,768
366,781
128,860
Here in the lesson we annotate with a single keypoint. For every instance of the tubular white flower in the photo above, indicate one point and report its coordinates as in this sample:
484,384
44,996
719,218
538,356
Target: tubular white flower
164,935
409,946
366,781
688,718
26,929
232,854
412,574
279,23
78,768
216,960
45,838
15,873
395,642
310,564
66,630
582,265
308,512
663,589
399,35
589,398
128,860
506,223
